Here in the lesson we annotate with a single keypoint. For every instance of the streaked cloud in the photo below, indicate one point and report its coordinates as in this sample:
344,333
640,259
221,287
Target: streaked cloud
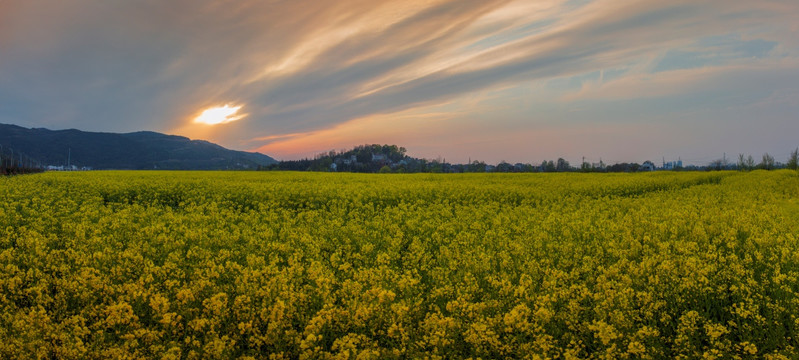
314,75
219,115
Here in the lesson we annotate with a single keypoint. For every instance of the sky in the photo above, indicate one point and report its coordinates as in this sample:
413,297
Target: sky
491,80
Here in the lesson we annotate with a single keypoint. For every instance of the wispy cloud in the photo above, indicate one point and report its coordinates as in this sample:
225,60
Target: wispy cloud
303,69
768,77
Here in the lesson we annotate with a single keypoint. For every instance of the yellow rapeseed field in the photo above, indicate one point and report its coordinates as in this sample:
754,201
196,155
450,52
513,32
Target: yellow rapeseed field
190,265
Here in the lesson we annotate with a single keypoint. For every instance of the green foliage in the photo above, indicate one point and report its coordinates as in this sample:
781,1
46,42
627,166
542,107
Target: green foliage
767,163
278,265
793,160
362,158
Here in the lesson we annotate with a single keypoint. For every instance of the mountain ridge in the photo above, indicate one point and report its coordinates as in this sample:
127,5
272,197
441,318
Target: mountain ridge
124,151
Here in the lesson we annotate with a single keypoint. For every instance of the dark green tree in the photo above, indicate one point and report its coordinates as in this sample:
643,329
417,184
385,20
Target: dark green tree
767,163
793,160
549,166
563,165
741,163
504,166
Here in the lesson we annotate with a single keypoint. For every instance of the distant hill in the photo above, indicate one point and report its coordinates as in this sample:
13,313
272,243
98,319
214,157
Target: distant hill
135,151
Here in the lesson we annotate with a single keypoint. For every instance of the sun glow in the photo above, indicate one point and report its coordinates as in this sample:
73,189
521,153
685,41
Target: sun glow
219,115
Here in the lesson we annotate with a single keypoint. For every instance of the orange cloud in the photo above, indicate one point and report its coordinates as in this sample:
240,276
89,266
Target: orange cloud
398,128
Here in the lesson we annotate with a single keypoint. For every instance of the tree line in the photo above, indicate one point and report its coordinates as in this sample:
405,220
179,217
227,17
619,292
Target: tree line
767,162
377,158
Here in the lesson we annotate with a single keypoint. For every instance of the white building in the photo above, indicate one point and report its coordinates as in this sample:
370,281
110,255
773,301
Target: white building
378,157
647,166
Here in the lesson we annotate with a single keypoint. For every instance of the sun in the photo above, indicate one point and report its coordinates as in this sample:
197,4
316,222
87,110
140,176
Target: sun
219,115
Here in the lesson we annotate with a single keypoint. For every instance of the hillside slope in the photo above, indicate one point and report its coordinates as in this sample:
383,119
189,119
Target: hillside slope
138,150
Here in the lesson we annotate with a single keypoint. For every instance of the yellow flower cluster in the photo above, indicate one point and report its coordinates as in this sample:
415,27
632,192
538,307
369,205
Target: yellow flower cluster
246,265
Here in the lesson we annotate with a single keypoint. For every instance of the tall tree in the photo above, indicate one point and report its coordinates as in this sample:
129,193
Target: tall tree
768,162
793,161
550,166
741,162
750,162
563,165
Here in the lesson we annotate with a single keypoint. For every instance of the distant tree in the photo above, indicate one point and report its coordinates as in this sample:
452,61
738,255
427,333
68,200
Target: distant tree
624,167
767,163
321,164
750,162
741,163
793,161
717,164
435,167
504,166
549,166
562,165
476,166
385,169
618,167
585,166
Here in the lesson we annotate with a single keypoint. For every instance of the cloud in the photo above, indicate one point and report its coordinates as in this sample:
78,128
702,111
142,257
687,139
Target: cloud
305,67
764,78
